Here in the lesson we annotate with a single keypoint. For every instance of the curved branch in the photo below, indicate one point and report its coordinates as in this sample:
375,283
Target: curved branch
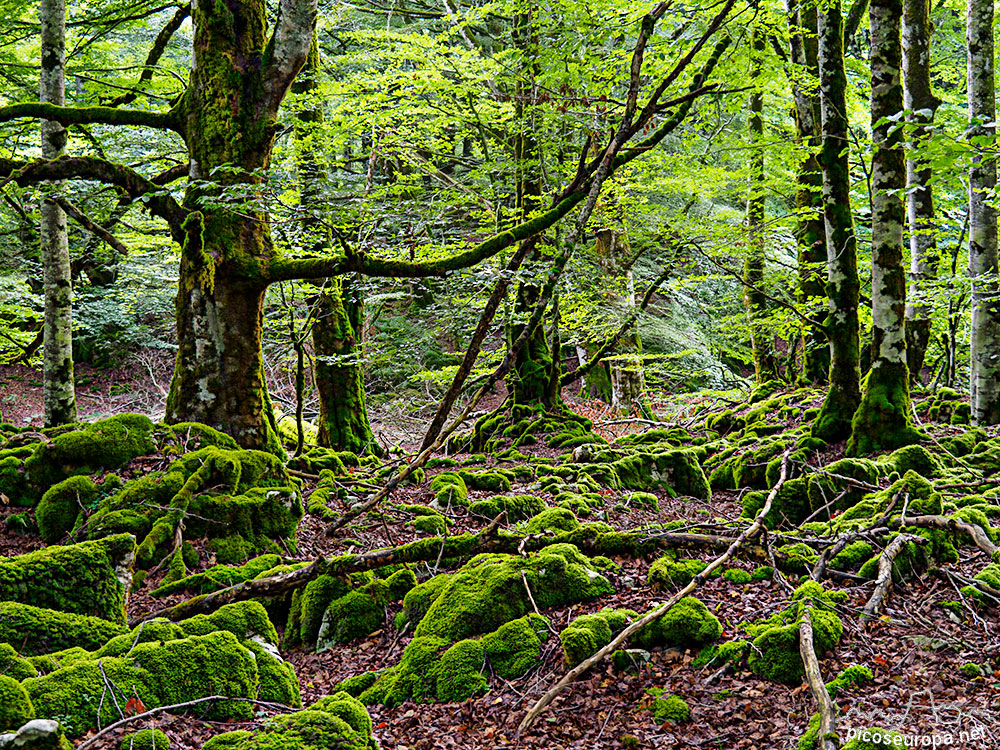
137,187
92,115
159,47
288,48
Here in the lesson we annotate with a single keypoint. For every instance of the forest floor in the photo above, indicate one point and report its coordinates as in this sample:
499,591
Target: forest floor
914,649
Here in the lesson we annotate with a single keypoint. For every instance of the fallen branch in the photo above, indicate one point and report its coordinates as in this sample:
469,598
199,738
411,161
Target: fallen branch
979,537
187,704
827,738
884,579
660,611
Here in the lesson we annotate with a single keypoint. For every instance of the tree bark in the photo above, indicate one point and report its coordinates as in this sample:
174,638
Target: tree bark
755,304
843,287
922,104
883,420
59,395
985,334
230,110
810,233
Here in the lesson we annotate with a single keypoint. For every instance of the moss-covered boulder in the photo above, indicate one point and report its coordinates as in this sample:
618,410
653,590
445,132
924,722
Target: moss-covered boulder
16,708
146,739
775,652
677,471
91,578
687,624
61,504
517,507
12,664
669,573
489,591
106,444
35,630
336,722
362,611
587,634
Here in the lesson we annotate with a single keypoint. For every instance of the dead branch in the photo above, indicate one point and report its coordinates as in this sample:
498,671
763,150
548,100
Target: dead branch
827,738
884,579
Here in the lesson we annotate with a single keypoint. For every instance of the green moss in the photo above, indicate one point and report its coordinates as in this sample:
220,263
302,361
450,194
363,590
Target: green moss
677,471
433,524
856,674
852,555
59,507
277,682
516,646
586,634
350,617
12,664
800,557
146,739
971,670
16,708
459,672
914,458
552,519
357,684
245,620
670,708
687,624
109,443
737,576
190,436
88,578
489,590
669,573
449,489
775,653
763,573
518,507
337,721
220,576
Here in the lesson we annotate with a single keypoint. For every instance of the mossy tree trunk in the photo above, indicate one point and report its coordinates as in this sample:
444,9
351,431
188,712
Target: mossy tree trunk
239,78
531,384
336,328
842,286
810,233
755,303
985,334
921,105
59,395
883,421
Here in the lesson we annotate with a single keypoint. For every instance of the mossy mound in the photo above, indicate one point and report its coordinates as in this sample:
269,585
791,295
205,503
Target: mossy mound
220,576
106,444
667,707
669,573
12,664
552,519
35,630
362,611
587,634
146,739
61,505
164,663
449,489
517,507
337,722
775,652
489,591
185,437
687,624
91,578
432,669
16,708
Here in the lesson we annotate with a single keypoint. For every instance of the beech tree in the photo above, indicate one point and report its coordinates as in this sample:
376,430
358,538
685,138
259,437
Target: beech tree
883,418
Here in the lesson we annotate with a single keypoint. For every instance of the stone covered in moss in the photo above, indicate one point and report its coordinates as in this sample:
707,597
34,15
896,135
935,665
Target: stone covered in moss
61,504
687,624
336,722
677,471
670,708
91,578
587,634
489,590
669,573
146,739
12,664
775,653
449,489
362,611
37,734
552,519
16,708
517,507
35,630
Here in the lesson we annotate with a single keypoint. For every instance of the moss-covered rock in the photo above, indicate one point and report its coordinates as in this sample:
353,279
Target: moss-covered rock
449,489
35,630
775,653
16,708
146,739
677,471
687,624
552,519
587,634
91,578
61,504
517,507
12,664
337,722
670,708
669,573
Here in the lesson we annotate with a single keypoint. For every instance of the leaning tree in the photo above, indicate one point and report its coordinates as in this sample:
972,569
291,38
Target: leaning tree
227,117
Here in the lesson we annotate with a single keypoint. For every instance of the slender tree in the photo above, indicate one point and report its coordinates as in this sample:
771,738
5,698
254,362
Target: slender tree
843,287
59,391
985,335
810,232
921,104
754,301
883,420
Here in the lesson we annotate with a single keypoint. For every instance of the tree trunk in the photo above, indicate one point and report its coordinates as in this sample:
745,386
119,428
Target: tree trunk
810,234
59,393
230,109
883,420
922,104
531,384
339,377
754,302
985,334
844,394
